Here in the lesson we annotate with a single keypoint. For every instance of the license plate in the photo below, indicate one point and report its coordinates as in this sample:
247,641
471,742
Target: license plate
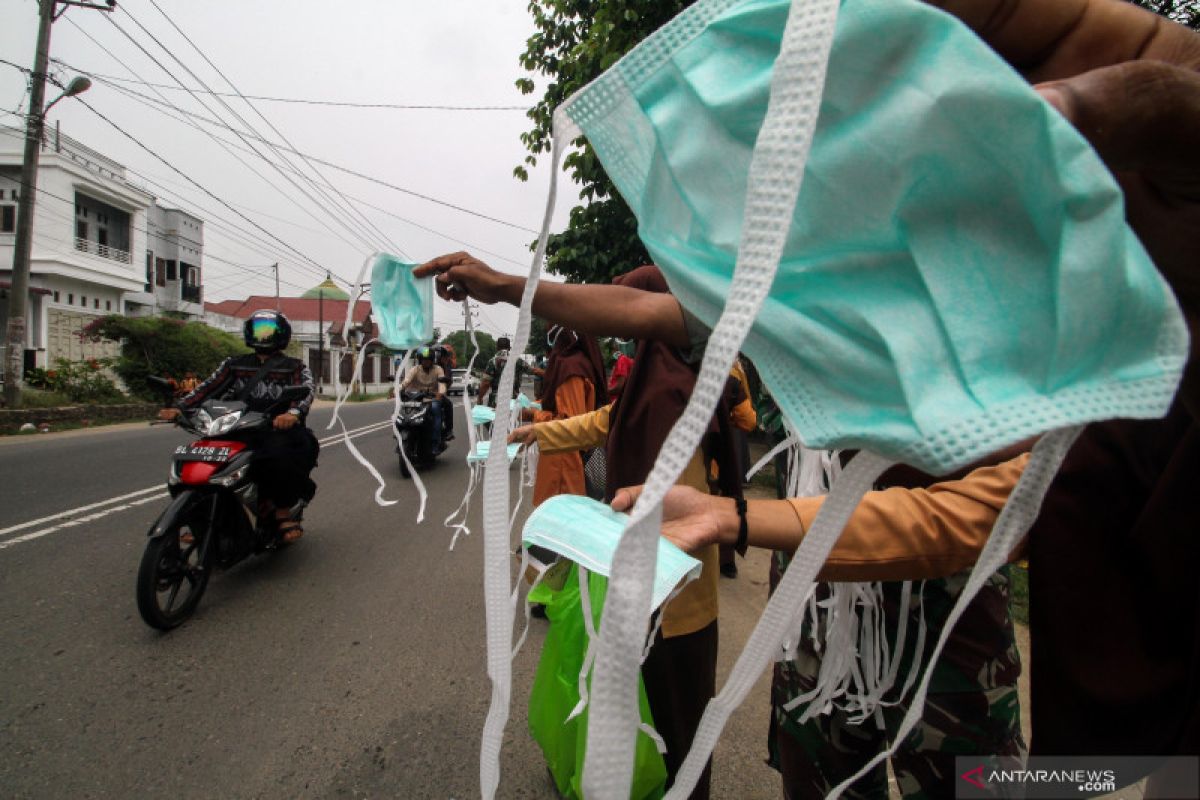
187,452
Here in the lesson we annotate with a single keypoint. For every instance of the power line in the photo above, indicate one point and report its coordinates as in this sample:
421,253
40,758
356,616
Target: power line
355,212
334,217
301,101
322,162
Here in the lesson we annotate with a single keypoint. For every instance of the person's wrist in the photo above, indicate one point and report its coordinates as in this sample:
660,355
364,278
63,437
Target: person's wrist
725,512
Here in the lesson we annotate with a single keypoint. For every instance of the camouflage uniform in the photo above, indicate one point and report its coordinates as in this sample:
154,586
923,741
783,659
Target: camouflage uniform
972,706
492,373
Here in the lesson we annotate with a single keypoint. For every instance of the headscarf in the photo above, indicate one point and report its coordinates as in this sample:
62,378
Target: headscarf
573,356
655,395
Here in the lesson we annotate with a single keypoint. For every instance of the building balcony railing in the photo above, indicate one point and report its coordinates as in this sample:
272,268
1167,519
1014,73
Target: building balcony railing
102,250
190,294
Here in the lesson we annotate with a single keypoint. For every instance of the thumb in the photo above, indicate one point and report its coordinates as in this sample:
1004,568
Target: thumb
1141,116
625,498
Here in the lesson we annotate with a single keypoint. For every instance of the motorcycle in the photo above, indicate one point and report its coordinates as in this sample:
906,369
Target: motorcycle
412,431
215,518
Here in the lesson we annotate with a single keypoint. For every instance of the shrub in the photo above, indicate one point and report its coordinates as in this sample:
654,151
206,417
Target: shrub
79,382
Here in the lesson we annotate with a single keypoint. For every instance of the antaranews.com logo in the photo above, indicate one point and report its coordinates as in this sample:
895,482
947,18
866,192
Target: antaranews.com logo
1070,776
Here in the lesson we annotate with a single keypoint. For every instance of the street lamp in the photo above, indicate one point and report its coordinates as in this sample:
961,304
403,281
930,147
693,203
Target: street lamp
19,286
78,85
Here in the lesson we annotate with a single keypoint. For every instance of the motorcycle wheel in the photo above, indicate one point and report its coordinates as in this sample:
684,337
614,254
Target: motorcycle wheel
171,578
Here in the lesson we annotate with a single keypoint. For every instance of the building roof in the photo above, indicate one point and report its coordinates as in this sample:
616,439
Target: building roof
294,308
328,289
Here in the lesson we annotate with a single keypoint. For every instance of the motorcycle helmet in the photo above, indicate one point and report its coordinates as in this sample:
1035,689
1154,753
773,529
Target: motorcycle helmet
267,331
424,353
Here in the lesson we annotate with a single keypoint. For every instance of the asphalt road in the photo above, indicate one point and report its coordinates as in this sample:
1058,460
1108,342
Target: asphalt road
350,665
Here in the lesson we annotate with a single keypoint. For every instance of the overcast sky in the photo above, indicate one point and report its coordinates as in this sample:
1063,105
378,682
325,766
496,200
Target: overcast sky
444,53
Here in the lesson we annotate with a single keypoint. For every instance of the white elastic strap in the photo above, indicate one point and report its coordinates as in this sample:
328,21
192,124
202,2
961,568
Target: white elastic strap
793,589
498,613
776,172
464,507
527,560
776,450
589,655
1011,526
356,293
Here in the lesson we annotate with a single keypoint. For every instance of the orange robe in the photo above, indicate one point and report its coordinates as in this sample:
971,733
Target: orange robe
562,473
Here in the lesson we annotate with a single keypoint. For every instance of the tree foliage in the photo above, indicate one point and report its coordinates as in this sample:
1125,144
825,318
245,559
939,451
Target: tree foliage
461,342
575,41
163,346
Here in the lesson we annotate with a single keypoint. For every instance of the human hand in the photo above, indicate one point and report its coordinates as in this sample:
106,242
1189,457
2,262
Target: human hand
461,275
168,414
691,519
1129,81
523,435
285,422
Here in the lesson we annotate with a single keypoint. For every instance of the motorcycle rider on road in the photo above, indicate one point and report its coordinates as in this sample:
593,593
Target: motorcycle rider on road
288,452
427,377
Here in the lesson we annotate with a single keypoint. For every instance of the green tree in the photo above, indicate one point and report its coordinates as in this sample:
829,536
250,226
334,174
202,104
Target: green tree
461,342
1185,12
575,41
163,346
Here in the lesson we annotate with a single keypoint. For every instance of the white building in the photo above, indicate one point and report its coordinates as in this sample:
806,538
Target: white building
98,241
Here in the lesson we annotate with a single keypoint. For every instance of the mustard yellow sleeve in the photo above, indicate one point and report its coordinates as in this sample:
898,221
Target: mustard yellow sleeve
580,432
911,534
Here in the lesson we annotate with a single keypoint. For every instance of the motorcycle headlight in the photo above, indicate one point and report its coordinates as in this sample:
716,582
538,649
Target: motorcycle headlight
232,478
223,424
202,419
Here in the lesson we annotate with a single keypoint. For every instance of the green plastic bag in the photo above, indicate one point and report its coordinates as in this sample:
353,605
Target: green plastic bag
556,692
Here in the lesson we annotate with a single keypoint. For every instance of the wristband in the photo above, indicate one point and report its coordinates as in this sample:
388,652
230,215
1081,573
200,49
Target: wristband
743,528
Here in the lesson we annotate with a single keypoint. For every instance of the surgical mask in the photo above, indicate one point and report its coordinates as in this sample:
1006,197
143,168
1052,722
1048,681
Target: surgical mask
482,449
401,304
954,276
586,531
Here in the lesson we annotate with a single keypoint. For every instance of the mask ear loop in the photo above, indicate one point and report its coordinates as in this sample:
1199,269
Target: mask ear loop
464,507
496,537
1013,523
775,176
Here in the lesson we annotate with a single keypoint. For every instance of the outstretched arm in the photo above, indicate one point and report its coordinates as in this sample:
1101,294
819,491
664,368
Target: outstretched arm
593,309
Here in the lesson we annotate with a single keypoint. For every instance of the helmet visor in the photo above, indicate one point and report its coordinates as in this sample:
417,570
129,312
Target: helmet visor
263,330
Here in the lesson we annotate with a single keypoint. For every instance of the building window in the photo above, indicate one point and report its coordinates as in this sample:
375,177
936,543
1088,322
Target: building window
149,271
96,304
8,219
83,300
172,271
80,229
56,297
71,299
102,237
108,305
160,272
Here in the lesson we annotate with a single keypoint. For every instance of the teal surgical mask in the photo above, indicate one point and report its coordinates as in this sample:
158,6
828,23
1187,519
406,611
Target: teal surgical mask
924,260
587,531
401,304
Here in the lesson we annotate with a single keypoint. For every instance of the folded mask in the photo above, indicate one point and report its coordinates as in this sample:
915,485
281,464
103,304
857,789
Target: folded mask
958,274
586,531
522,401
401,305
482,415
480,453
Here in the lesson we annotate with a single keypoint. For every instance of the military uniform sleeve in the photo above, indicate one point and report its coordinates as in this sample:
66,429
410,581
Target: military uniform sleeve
912,534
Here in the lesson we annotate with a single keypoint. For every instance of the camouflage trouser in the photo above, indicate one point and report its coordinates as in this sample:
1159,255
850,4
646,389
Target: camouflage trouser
972,708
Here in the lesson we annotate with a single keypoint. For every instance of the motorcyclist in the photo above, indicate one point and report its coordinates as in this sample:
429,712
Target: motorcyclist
491,373
426,377
286,454
443,356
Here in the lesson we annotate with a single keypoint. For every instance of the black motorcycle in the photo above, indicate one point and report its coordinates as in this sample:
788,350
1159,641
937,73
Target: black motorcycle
216,517
413,422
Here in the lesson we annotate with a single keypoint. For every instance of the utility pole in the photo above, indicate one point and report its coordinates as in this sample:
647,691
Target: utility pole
18,296
276,265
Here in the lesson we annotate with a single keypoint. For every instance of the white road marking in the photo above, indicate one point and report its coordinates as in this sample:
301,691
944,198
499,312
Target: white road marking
124,506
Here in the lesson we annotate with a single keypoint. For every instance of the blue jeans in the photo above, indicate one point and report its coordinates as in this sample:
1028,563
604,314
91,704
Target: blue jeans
435,430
